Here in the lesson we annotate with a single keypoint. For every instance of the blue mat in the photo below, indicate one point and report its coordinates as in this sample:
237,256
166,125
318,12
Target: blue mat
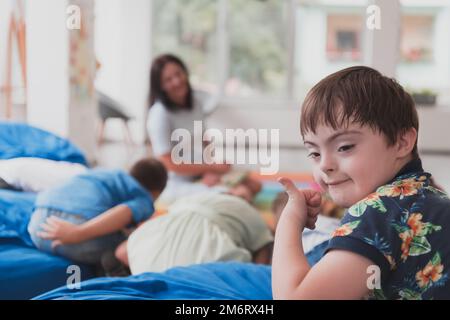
25,271
226,281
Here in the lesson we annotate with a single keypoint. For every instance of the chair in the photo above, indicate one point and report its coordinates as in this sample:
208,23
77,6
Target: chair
109,108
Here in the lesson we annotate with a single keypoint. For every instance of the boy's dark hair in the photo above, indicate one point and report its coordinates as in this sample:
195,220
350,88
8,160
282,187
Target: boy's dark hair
156,92
150,173
362,95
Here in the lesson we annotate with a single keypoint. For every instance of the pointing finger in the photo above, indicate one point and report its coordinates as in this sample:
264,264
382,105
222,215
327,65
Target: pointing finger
289,186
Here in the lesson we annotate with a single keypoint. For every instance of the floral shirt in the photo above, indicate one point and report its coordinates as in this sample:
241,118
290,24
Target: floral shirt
404,229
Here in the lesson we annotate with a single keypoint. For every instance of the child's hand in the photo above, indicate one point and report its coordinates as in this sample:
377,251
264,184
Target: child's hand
61,231
211,178
303,204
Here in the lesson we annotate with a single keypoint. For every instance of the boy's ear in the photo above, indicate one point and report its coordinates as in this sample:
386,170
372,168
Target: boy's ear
406,142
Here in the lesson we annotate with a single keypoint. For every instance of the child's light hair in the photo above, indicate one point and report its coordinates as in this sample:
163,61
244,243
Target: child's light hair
364,96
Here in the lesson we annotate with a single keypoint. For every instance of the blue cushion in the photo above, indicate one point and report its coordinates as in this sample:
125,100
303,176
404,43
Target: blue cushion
23,140
220,280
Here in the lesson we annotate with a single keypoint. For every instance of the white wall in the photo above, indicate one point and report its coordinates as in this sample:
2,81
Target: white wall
47,64
52,103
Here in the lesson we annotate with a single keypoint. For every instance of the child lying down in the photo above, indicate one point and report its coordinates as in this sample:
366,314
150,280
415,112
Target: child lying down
204,228
84,217
200,228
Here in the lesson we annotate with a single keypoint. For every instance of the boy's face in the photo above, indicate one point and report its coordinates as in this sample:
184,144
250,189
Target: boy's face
350,163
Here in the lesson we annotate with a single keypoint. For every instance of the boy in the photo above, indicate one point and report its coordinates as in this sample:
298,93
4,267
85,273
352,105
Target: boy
82,218
360,128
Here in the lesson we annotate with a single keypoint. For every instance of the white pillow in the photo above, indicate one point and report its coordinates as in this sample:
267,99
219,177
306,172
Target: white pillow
36,174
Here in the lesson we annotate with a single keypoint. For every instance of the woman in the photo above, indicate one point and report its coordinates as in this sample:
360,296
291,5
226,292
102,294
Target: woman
174,105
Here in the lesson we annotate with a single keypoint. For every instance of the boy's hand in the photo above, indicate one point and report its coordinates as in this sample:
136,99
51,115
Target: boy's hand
211,178
303,204
61,231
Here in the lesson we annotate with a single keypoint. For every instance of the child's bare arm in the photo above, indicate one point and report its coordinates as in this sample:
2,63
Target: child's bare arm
338,275
63,232
108,222
289,264
193,169
122,253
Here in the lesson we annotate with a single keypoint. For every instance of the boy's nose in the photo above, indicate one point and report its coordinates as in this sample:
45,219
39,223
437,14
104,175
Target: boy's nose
327,164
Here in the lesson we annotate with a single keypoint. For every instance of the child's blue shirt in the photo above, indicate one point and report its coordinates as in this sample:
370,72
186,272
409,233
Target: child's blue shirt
404,229
92,193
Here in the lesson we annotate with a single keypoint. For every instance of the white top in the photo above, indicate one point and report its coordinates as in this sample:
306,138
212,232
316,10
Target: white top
198,229
325,227
162,122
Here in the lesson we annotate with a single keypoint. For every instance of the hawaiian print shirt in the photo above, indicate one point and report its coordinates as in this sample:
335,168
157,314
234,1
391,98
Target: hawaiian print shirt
404,228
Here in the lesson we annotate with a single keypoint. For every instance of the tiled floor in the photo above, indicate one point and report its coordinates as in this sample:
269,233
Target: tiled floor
120,155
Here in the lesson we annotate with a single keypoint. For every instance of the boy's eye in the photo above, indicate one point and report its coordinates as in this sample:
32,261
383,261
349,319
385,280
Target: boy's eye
346,148
313,155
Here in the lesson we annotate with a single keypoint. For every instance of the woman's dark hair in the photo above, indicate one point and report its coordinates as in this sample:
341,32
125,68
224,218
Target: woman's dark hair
156,92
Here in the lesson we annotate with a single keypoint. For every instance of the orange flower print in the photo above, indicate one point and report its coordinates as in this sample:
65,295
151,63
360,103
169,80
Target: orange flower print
373,197
403,188
406,243
345,229
415,223
431,273
430,276
412,231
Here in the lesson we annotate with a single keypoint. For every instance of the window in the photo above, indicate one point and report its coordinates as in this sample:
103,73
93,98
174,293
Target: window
328,37
280,48
424,62
417,38
344,35
258,48
253,35
189,30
